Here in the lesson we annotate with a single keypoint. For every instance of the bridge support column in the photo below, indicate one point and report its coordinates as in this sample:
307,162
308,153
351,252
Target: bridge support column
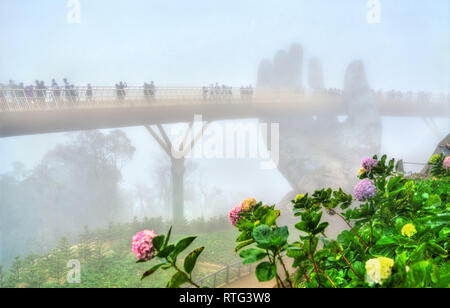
177,166
177,190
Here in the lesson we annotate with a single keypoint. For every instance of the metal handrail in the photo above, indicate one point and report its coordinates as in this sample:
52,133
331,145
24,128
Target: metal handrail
242,270
27,99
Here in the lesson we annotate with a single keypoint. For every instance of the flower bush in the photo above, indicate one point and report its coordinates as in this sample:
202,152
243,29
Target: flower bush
397,235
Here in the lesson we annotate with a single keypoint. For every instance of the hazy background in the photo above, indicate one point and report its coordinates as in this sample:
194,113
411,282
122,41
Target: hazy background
195,43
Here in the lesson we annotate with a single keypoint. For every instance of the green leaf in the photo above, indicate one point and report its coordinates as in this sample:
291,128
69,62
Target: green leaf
158,242
167,237
437,250
244,224
270,217
302,226
279,236
166,251
261,234
444,232
265,271
182,245
295,252
152,270
177,280
244,236
383,250
418,275
191,259
142,261
321,227
243,244
386,240
252,255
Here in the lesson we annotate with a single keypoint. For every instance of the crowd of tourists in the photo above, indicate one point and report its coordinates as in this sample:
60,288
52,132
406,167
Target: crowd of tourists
13,96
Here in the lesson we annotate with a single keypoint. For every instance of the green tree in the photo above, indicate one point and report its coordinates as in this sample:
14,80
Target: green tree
58,259
17,269
2,277
35,271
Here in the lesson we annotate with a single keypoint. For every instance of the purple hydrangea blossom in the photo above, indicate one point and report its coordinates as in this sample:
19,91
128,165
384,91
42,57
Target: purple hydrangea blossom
368,163
364,190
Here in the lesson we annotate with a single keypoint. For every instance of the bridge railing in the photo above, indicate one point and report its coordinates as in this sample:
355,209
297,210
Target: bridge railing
26,99
225,275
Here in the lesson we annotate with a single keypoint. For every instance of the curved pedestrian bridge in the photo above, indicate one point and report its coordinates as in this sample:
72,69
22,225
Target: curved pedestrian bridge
47,111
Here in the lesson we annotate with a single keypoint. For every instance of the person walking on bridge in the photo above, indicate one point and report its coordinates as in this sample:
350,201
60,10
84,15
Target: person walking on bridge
29,90
3,105
67,92
20,94
56,92
205,93
152,90
89,93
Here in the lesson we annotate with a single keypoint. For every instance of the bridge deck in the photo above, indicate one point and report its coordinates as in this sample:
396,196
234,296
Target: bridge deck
47,114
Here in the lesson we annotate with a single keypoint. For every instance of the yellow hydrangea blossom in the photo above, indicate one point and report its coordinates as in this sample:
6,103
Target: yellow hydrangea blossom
409,230
248,204
299,197
361,171
378,269
434,158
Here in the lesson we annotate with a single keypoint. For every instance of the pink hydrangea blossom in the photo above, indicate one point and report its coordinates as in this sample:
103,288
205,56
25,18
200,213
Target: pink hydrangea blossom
143,246
368,163
446,163
233,215
364,190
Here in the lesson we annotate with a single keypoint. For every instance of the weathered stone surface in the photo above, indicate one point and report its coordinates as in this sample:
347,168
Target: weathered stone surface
315,74
321,151
284,71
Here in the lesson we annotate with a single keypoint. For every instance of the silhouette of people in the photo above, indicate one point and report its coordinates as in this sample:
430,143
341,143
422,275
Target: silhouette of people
74,94
146,91
120,90
152,90
3,105
20,94
29,94
56,91
67,91
89,93
205,93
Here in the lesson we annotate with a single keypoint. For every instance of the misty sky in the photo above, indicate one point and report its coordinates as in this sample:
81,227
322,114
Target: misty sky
176,42
193,43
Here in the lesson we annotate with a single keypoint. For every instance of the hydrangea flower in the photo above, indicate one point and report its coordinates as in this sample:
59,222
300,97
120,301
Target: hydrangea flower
364,190
248,204
233,215
446,163
434,158
379,269
142,245
368,163
408,230
299,197
361,171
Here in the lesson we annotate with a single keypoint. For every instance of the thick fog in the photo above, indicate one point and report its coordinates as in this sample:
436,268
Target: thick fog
53,184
